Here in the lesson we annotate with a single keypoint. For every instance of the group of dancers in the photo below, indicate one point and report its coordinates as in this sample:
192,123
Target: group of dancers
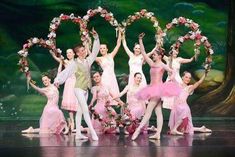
142,99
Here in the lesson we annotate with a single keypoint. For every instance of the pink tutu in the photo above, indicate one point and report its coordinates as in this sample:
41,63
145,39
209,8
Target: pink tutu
166,89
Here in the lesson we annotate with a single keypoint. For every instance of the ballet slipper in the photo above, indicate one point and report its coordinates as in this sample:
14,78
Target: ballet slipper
27,131
81,137
155,136
175,132
136,134
94,137
205,129
152,128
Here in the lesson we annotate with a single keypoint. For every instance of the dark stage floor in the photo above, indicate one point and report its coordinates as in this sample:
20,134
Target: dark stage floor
221,142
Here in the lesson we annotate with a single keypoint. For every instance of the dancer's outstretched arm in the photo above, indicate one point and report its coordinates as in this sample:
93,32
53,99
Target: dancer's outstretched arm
127,50
185,60
115,50
94,96
168,69
65,74
143,52
124,91
95,49
195,85
55,57
40,90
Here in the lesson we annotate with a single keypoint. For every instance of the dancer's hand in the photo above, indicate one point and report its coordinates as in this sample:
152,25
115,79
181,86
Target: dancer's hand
28,79
141,35
94,33
56,84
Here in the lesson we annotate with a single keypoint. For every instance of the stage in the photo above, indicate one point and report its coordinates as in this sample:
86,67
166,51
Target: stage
221,142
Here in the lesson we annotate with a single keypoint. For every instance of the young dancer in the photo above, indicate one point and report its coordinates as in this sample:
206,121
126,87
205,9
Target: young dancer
155,90
81,69
180,121
174,62
107,64
103,97
52,120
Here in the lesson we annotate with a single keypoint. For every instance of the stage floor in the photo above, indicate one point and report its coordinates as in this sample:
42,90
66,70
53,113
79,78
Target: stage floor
221,142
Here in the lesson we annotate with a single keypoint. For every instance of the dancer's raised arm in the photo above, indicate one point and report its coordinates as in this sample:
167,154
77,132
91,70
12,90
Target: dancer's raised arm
185,60
95,49
40,90
143,52
195,85
127,50
115,50
58,59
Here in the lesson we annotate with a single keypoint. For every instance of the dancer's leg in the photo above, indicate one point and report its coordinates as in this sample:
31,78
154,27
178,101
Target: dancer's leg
72,120
81,96
174,130
158,112
78,124
147,115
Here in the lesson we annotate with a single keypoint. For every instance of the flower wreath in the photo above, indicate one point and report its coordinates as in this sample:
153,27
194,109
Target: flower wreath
194,34
148,15
108,16
23,62
55,23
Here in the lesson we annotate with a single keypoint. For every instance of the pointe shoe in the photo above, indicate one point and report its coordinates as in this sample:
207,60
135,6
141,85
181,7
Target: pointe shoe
206,129
27,131
175,132
152,128
94,137
136,134
155,136
81,137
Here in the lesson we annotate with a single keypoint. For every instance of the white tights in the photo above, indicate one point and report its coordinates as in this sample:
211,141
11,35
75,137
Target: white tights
83,109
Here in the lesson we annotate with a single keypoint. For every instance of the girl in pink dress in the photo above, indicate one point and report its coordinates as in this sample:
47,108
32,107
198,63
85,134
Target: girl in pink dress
69,101
174,62
52,120
103,97
106,62
180,121
155,90
137,107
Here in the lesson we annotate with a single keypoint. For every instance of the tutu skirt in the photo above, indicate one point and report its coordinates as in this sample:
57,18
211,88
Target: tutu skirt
160,90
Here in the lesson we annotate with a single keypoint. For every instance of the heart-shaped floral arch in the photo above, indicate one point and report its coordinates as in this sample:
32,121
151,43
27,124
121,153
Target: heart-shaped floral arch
50,43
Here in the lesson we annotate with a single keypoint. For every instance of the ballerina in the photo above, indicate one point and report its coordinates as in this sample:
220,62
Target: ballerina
107,64
69,101
156,89
180,121
174,62
136,107
136,61
52,120
81,69
103,97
